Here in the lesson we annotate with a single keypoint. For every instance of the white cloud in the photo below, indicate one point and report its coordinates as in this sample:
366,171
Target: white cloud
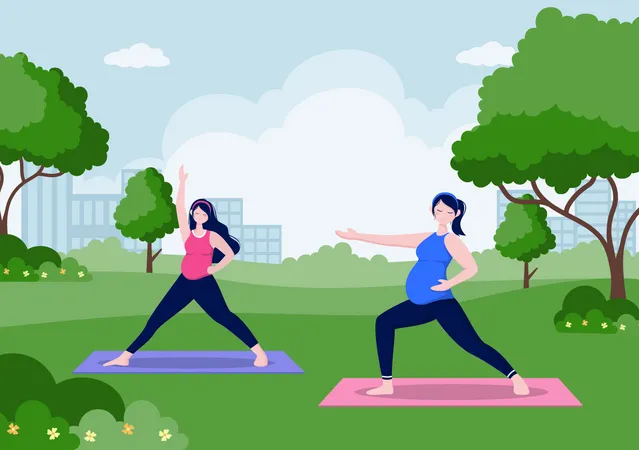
490,54
340,159
137,56
106,185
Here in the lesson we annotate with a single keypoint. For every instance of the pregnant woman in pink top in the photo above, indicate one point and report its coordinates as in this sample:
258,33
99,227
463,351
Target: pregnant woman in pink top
206,241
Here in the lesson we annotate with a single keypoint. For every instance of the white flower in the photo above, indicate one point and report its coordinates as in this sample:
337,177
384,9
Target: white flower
622,327
585,323
43,275
80,274
53,433
568,324
25,273
165,435
604,325
90,436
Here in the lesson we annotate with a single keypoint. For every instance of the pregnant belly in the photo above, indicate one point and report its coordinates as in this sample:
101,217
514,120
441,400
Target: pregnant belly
195,266
423,276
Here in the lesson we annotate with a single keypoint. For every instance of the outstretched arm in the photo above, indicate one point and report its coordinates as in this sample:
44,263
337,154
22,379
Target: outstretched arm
391,240
183,217
462,255
218,242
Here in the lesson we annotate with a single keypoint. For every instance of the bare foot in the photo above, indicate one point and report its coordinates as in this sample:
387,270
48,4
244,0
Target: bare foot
122,360
261,360
385,389
519,386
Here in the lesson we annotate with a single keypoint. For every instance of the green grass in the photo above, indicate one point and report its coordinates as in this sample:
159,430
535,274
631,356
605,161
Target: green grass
132,294
281,411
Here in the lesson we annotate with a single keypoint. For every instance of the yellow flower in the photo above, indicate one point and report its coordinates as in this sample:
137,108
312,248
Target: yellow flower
63,271
25,273
53,433
43,274
128,429
6,271
80,274
13,429
622,327
604,325
585,323
568,324
90,436
165,435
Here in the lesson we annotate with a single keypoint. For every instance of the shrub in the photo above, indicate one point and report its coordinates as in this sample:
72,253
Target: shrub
25,378
140,429
627,325
33,428
70,270
17,270
11,247
617,307
582,299
36,256
594,322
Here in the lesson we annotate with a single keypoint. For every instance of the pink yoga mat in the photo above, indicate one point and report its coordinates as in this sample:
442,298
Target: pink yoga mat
437,392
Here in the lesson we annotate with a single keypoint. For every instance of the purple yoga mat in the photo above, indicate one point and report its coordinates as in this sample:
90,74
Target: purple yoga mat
189,362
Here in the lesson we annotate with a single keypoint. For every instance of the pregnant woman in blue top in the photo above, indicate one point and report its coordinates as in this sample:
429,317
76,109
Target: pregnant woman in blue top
429,292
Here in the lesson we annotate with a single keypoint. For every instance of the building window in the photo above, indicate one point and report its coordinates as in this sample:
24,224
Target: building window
223,207
249,233
274,233
99,213
274,259
261,258
236,219
75,213
86,241
112,206
75,243
129,244
249,247
236,232
593,208
140,245
249,258
273,247
261,233
236,206
88,213
224,218
261,247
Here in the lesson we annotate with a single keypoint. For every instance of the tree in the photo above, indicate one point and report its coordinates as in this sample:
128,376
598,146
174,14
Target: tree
147,212
524,235
564,113
44,121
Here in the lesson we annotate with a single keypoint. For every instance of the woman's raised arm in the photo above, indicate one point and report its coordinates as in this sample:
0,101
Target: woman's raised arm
183,217
390,240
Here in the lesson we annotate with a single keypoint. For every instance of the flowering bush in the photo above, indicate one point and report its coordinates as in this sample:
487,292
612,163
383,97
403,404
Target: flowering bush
628,325
69,270
17,270
142,428
33,428
593,322
26,378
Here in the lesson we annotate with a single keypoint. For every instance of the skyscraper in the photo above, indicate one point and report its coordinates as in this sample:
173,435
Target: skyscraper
45,210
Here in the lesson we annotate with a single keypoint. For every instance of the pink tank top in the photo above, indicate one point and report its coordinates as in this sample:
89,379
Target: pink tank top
199,256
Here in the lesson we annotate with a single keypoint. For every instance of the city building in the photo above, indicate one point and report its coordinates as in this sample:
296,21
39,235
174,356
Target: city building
45,210
565,231
625,209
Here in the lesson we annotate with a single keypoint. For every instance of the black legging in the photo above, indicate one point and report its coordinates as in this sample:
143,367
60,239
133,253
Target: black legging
452,319
207,294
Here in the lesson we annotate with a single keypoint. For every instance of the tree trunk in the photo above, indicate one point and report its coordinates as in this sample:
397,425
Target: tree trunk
149,258
526,276
617,279
4,225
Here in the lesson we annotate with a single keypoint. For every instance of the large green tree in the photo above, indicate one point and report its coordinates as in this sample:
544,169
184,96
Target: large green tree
524,235
564,114
44,121
147,212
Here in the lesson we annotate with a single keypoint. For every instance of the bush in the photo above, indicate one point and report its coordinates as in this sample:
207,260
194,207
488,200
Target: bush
582,299
11,247
17,270
25,378
33,428
594,322
140,429
617,307
70,270
36,256
628,325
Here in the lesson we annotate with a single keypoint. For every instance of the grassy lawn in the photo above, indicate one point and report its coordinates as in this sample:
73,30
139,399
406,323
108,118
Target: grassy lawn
130,294
281,411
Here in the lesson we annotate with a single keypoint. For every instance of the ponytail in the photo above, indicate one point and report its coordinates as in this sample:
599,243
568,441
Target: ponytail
456,226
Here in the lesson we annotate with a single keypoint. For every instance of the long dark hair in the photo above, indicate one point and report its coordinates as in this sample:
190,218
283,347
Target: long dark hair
456,204
214,225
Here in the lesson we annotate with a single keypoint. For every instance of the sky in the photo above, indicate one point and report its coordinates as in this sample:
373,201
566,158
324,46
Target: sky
321,115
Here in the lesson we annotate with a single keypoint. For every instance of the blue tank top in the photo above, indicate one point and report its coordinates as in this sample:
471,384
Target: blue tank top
432,262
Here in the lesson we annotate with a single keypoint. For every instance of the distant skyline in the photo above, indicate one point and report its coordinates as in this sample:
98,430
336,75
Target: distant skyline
259,101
